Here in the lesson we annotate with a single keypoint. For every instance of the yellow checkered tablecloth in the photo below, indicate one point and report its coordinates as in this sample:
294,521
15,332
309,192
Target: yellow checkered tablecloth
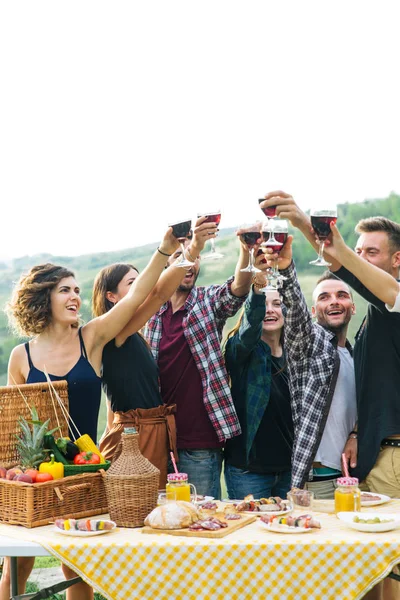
334,563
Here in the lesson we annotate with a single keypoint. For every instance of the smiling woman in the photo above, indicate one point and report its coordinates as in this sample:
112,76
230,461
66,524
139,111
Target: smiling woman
45,306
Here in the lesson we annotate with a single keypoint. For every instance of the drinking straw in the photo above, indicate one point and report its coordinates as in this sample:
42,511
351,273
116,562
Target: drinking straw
344,463
173,462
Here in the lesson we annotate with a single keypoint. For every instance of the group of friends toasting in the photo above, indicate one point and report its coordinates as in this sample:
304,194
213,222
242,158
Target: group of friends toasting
278,400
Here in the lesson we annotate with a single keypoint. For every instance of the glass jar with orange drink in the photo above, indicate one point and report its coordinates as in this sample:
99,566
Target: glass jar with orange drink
347,495
178,487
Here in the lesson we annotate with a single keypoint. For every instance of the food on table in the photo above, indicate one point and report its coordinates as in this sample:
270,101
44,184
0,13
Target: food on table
84,524
23,477
197,498
272,504
33,473
367,497
232,516
56,469
172,515
208,509
86,444
67,448
30,444
211,524
87,458
304,521
13,473
357,519
44,477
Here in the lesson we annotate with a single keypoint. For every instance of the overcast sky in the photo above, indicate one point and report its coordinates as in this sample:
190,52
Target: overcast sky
117,118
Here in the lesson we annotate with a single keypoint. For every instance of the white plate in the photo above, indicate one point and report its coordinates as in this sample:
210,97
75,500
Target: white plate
77,533
261,513
347,518
276,528
382,500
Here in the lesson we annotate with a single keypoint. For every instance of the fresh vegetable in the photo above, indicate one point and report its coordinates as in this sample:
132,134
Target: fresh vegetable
51,444
87,458
3,472
56,469
43,477
67,448
12,474
85,443
23,477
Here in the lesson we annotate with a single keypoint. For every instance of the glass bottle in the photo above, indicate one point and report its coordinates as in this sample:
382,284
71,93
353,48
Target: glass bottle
347,495
178,487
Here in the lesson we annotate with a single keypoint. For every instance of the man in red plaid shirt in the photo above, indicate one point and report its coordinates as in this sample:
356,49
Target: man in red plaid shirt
185,338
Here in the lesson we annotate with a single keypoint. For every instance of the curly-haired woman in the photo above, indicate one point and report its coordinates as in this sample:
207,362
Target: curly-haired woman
45,306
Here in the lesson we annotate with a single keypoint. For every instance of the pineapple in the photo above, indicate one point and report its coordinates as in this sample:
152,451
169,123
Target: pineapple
30,444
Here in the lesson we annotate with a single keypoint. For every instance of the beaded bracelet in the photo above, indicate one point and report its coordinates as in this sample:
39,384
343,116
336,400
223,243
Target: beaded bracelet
257,284
163,253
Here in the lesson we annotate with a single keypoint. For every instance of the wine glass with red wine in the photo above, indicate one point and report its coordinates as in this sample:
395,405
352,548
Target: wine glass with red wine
250,235
212,217
321,220
279,229
181,231
269,211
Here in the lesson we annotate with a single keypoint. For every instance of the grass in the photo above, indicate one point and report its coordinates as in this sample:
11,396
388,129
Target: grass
32,587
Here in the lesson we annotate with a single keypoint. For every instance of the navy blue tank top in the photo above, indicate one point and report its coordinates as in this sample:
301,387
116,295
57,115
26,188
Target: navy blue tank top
84,392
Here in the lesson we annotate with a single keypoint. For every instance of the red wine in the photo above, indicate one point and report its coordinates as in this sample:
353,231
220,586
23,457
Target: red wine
250,238
212,218
181,230
269,211
322,225
280,238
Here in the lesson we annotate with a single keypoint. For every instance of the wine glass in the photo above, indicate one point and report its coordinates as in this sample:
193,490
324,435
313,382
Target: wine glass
275,234
250,234
212,217
181,231
269,211
321,219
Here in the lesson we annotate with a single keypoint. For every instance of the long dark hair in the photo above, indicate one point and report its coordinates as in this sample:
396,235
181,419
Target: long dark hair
108,280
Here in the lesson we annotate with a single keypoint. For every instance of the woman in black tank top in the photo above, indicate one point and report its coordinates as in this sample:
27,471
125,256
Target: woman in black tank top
45,306
130,378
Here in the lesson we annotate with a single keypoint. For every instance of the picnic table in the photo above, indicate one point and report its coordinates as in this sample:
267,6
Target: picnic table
333,563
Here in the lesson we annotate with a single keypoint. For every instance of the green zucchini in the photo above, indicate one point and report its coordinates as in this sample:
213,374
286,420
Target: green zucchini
50,444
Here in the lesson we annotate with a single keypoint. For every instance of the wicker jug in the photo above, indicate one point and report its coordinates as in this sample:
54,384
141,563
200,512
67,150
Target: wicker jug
131,484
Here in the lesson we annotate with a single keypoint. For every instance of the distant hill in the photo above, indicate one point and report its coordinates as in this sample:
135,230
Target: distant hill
88,265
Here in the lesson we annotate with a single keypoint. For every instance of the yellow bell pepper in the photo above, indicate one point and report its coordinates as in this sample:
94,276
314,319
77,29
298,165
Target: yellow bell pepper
54,468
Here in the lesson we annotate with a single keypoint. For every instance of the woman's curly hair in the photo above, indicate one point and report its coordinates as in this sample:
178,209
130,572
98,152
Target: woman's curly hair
29,310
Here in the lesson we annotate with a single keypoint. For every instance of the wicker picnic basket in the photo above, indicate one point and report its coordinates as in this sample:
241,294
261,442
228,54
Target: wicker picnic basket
32,505
131,484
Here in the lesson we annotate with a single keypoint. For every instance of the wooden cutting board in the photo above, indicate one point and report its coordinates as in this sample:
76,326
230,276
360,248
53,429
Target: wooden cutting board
232,526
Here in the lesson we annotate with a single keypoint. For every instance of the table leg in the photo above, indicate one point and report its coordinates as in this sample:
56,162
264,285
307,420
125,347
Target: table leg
14,575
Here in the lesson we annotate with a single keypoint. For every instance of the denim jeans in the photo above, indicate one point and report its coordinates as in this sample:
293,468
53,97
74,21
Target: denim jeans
204,470
240,483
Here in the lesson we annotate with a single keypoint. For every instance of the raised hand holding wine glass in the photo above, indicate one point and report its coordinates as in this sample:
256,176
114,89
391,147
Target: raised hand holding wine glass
250,236
181,230
213,216
275,233
321,219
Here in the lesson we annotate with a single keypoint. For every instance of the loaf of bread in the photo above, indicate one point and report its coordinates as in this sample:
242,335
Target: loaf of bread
172,515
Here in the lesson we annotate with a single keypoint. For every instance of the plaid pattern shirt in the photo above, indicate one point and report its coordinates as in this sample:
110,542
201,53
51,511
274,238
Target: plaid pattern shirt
313,365
207,309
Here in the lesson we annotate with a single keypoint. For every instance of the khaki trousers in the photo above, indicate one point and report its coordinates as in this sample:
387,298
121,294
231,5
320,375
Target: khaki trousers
384,478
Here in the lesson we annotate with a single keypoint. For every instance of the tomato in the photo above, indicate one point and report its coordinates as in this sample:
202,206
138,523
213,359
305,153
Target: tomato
87,458
33,473
43,477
